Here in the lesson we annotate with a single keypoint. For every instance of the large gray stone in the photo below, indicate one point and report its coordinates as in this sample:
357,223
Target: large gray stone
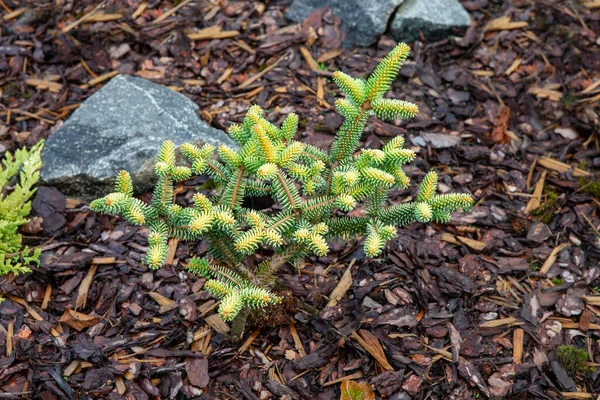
121,127
434,18
362,20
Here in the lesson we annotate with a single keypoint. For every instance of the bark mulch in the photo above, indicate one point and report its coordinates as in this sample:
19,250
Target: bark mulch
477,308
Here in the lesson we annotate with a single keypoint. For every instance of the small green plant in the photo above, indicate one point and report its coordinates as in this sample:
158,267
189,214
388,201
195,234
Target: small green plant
557,281
18,175
545,212
590,186
314,190
572,360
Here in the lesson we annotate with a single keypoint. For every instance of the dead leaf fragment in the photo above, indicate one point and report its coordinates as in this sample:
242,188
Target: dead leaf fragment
352,390
77,320
342,287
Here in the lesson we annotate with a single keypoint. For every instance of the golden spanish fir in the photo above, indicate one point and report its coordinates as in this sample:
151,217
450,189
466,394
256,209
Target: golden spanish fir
314,190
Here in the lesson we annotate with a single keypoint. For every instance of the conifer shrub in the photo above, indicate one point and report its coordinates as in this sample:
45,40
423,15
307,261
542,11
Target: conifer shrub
314,190
18,175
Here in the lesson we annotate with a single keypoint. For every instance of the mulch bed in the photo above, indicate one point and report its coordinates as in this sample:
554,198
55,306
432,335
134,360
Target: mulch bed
475,308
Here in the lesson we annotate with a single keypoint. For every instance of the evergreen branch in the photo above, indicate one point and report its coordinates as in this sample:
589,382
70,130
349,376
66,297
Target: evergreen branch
312,190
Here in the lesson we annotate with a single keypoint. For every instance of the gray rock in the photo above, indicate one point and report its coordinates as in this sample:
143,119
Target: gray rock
362,20
436,140
121,127
433,18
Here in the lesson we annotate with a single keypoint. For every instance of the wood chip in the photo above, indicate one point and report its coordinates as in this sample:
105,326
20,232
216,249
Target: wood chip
226,74
139,10
29,309
510,321
83,19
171,12
77,320
513,67
577,395
215,322
120,386
591,88
592,300
504,23
100,79
165,303
371,344
104,260
43,84
501,125
194,82
483,73
104,17
47,295
297,341
545,93
173,243
457,240
248,342
329,55
561,167
257,76
212,32
71,368
342,287
312,64
552,258
9,337
592,4
14,14
84,287
518,345
535,201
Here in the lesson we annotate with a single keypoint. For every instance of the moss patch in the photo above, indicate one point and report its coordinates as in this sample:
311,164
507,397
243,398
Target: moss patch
572,360
591,186
546,210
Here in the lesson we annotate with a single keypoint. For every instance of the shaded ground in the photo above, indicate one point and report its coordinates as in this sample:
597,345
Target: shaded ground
475,308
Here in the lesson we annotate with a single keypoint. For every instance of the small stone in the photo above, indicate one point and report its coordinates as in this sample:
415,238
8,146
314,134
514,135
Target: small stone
433,18
117,52
121,127
567,133
363,21
538,232
436,140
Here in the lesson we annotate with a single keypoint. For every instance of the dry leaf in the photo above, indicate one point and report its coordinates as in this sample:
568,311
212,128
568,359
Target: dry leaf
342,287
356,391
77,320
